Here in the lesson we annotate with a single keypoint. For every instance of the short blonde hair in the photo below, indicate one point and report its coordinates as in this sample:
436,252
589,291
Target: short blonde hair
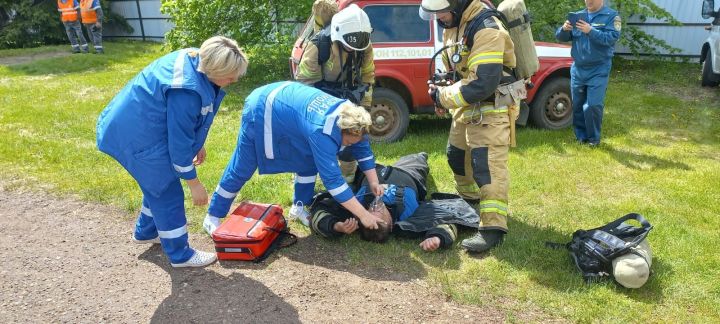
353,118
221,57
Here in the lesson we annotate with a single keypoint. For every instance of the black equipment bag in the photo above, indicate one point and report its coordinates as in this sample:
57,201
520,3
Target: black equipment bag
593,250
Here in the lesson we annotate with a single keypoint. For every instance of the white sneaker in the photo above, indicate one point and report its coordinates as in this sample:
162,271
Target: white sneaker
199,259
211,223
150,241
300,212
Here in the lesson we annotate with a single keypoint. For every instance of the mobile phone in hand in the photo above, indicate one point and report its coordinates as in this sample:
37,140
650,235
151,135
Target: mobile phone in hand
573,18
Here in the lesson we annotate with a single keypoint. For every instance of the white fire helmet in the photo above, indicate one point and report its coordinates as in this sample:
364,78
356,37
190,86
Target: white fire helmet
351,27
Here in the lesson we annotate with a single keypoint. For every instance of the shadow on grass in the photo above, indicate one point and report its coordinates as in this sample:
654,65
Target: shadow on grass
640,161
115,53
201,296
524,249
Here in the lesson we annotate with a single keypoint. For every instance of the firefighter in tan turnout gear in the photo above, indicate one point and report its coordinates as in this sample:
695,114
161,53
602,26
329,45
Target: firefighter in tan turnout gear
338,59
480,135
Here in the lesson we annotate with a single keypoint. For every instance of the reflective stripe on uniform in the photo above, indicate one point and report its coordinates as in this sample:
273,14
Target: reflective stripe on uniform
203,111
171,234
146,211
304,73
178,67
224,193
365,158
459,100
485,58
268,120
473,113
299,179
338,190
330,121
183,169
493,206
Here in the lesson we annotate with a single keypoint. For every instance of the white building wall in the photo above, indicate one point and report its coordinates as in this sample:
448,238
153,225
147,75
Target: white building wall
145,18
688,38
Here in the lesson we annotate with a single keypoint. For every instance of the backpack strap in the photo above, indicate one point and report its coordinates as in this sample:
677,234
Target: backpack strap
478,23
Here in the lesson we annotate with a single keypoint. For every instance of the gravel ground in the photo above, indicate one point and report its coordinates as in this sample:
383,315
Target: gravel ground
65,260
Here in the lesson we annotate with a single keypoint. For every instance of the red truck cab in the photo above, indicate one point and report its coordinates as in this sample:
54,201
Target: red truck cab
403,45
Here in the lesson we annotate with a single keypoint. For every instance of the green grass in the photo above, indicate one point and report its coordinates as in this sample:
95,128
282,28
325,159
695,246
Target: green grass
660,157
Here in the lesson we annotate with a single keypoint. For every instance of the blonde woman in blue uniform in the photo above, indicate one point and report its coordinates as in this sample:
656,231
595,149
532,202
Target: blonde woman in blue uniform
291,127
156,129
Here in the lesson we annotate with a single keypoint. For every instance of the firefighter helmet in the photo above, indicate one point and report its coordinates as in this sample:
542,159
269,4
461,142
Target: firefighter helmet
351,27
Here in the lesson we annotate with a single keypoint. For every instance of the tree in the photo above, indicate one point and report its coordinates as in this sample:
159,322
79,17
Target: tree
32,23
548,15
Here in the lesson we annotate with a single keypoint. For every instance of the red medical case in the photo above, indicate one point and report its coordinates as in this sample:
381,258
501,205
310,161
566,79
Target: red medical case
250,232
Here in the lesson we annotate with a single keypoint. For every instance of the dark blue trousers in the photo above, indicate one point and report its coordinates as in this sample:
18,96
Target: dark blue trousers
588,85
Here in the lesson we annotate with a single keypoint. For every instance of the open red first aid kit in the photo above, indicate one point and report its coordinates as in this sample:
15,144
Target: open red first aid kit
252,232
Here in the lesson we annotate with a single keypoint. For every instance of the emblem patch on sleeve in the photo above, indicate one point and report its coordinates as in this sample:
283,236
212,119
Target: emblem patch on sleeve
617,23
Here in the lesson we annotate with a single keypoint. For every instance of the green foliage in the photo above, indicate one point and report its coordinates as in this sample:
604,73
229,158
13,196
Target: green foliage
548,15
31,24
247,21
37,22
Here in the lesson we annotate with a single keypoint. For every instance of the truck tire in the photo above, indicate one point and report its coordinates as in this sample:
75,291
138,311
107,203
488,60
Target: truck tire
389,115
709,79
552,106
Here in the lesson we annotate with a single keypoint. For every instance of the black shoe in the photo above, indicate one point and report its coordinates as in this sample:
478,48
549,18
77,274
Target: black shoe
594,144
483,241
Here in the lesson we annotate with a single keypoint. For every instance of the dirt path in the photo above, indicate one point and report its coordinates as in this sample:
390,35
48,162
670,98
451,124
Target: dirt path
69,261
23,59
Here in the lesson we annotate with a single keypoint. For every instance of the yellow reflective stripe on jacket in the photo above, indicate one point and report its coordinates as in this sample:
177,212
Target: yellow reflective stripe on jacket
459,100
305,73
485,58
492,110
493,206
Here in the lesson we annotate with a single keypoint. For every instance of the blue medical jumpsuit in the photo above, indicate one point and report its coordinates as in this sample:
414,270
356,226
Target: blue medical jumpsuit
155,127
289,127
590,72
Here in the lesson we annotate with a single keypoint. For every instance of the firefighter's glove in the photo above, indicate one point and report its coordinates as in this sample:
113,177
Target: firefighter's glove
434,92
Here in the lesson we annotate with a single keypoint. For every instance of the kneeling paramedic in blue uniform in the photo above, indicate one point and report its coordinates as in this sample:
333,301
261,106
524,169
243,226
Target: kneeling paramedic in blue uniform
291,127
156,128
593,39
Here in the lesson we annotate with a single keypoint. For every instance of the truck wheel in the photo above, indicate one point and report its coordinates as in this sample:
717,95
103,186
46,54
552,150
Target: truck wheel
389,115
552,105
709,79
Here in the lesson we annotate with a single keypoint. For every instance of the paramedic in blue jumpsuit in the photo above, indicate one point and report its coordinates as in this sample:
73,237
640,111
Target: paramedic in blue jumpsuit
593,39
291,127
156,128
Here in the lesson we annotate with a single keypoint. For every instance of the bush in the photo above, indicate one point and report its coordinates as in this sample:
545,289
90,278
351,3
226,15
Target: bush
32,23
548,15
249,22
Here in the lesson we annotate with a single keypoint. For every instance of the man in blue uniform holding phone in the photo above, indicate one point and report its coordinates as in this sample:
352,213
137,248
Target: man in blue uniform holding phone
593,32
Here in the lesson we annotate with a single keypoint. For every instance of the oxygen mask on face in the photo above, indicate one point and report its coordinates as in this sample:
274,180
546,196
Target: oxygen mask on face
377,205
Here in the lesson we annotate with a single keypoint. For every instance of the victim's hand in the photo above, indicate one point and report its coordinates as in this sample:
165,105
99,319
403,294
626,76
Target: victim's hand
430,244
348,226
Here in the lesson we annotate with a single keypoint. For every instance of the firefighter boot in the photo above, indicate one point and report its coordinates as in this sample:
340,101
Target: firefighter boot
483,241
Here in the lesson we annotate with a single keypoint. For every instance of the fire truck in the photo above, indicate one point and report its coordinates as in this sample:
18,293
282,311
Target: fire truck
403,45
